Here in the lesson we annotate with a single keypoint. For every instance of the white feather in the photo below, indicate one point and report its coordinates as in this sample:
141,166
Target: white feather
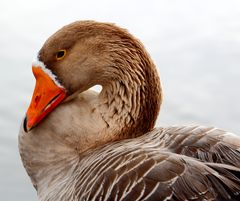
39,64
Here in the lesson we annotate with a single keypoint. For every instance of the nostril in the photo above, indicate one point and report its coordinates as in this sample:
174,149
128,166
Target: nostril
25,124
36,100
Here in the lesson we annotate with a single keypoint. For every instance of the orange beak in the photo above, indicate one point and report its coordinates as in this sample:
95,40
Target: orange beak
47,95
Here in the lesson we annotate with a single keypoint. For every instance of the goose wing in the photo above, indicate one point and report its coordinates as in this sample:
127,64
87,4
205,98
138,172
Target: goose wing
127,172
204,143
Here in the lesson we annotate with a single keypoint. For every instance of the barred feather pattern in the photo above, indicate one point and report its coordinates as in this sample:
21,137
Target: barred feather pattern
174,163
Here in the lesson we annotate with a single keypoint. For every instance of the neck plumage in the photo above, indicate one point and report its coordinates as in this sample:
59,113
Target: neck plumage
131,100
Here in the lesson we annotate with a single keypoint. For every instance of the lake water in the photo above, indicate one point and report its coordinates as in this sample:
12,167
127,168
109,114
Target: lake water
195,44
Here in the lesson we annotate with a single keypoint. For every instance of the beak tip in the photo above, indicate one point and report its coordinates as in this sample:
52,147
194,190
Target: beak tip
25,127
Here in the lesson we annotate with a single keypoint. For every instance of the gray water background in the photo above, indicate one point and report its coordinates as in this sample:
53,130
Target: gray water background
195,45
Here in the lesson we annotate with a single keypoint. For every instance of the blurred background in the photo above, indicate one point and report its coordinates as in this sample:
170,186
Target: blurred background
195,45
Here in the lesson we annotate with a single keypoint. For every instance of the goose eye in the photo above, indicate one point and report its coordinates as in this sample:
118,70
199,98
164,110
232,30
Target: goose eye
60,54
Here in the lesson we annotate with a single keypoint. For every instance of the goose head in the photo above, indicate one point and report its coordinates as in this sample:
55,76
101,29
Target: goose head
84,54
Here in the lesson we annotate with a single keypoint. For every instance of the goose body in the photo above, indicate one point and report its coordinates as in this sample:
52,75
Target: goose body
77,144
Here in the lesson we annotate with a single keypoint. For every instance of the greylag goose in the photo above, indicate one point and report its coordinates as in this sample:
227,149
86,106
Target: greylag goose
77,144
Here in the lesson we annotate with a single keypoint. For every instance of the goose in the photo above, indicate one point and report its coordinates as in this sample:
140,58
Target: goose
77,144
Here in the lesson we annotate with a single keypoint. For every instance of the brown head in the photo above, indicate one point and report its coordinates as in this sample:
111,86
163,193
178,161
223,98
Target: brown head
88,53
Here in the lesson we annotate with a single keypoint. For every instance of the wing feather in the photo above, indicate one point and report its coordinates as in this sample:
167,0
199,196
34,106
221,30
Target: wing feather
204,143
179,163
